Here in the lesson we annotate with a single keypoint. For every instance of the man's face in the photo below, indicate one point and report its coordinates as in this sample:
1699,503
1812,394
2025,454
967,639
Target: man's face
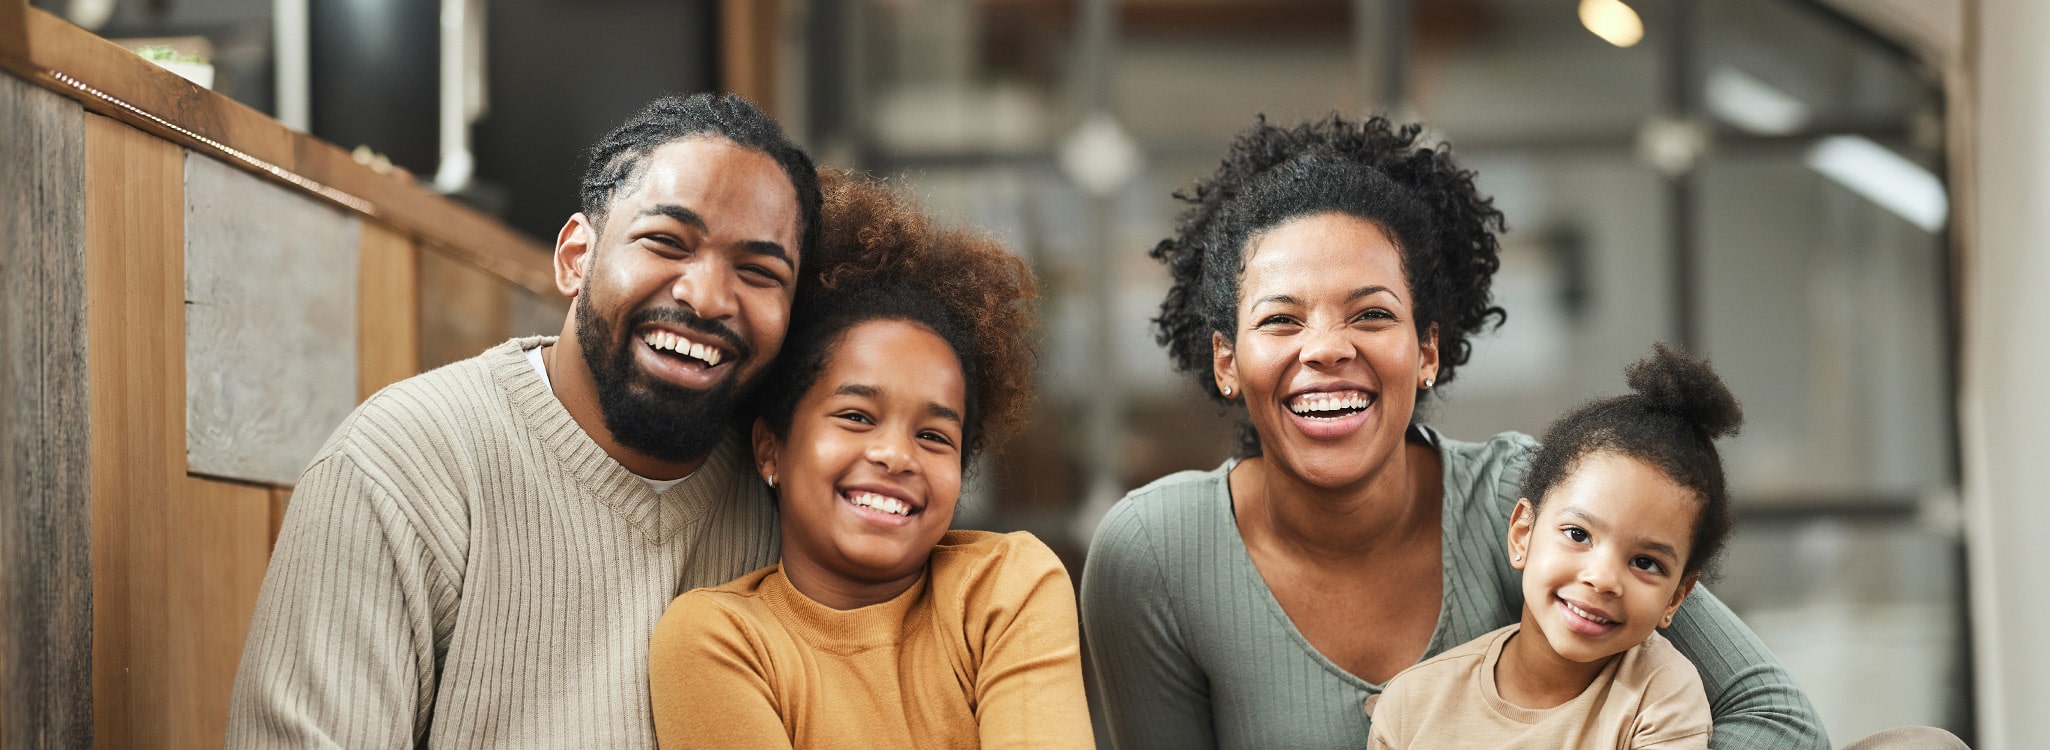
686,291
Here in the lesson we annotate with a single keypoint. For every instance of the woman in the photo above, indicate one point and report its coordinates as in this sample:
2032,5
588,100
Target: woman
1326,279
880,626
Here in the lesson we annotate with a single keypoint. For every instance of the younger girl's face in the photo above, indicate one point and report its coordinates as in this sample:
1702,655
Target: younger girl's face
869,474
1602,561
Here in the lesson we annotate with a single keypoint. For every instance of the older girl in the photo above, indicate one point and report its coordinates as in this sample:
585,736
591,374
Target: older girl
881,627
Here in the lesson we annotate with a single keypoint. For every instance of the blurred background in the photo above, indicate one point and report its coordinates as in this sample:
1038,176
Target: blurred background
1762,181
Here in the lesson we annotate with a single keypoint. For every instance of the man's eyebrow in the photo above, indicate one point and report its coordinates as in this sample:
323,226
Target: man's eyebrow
771,249
688,217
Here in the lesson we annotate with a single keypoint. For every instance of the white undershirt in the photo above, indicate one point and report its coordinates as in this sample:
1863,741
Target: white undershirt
541,368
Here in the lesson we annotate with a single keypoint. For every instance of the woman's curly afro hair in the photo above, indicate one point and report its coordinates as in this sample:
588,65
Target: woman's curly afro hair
1372,170
892,262
1670,422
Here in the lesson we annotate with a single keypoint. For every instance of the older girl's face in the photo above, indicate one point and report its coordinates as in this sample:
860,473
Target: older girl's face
1328,357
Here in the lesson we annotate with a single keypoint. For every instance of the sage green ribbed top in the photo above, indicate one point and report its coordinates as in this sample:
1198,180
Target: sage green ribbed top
1192,650
462,566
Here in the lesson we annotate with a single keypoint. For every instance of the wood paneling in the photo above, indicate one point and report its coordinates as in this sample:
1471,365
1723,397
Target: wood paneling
45,491
134,204
388,306
463,310
178,560
57,45
270,324
747,50
217,543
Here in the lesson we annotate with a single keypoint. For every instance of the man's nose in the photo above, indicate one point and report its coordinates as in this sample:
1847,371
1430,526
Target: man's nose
705,285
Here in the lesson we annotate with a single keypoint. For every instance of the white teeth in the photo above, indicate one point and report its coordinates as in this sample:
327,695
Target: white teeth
1312,403
882,503
667,341
1585,613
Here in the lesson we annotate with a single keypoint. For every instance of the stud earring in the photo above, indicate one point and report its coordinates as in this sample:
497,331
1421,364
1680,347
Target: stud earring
1227,391
1428,382
1518,558
772,481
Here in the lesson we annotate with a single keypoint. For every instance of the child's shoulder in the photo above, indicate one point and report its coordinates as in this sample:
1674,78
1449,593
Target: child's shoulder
1452,665
1661,669
983,568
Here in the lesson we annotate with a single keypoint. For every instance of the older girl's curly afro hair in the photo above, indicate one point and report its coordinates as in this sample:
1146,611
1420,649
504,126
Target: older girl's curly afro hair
1372,170
1671,421
891,262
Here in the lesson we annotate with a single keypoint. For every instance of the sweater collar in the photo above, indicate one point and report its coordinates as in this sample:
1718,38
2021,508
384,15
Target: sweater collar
603,479
844,631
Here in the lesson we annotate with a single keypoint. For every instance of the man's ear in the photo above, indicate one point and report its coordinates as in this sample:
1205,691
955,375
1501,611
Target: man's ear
767,450
1521,521
1679,596
1223,366
574,246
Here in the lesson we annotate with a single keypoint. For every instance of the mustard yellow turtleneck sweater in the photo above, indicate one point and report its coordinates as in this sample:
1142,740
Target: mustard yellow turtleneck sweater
981,651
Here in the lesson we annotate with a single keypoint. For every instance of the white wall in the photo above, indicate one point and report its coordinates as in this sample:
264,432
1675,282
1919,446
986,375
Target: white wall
2005,404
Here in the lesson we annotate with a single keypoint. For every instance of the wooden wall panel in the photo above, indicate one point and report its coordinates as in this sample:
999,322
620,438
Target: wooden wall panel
270,324
463,309
530,314
134,204
388,303
45,491
217,543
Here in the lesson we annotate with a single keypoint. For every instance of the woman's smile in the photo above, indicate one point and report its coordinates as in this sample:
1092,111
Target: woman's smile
1327,353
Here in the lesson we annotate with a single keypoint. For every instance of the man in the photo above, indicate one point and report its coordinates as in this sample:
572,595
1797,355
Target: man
478,555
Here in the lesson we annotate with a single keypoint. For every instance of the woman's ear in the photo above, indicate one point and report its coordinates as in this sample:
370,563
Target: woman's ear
1679,596
1427,357
767,450
1521,521
1223,366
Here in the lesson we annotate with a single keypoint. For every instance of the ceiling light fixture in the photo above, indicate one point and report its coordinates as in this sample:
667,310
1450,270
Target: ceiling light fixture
1613,21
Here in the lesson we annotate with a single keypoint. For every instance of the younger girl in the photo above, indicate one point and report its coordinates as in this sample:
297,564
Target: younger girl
1623,509
880,627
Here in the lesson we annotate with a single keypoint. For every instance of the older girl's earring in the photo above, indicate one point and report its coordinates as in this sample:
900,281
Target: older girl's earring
1428,382
1517,558
772,481
1227,391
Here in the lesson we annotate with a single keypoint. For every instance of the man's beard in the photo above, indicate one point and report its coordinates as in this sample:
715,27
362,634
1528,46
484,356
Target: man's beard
649,415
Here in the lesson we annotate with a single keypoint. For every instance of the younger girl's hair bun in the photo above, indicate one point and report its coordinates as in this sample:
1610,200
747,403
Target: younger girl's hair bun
1671,381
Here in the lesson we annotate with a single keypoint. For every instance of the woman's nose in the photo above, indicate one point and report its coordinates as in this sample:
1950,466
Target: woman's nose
1326,347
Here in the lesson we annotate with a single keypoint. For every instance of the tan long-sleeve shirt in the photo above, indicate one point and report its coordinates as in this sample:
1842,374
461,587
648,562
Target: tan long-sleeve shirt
463,567
1646,697
981,652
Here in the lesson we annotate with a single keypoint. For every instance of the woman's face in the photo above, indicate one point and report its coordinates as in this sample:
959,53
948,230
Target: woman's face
1327,359
868,476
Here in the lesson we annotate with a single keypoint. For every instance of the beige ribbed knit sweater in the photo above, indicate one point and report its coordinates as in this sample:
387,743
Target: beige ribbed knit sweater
463,567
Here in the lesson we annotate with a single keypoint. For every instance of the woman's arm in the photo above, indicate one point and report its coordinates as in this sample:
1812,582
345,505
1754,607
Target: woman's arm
1154,694
1756,702
1028,684
708,683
